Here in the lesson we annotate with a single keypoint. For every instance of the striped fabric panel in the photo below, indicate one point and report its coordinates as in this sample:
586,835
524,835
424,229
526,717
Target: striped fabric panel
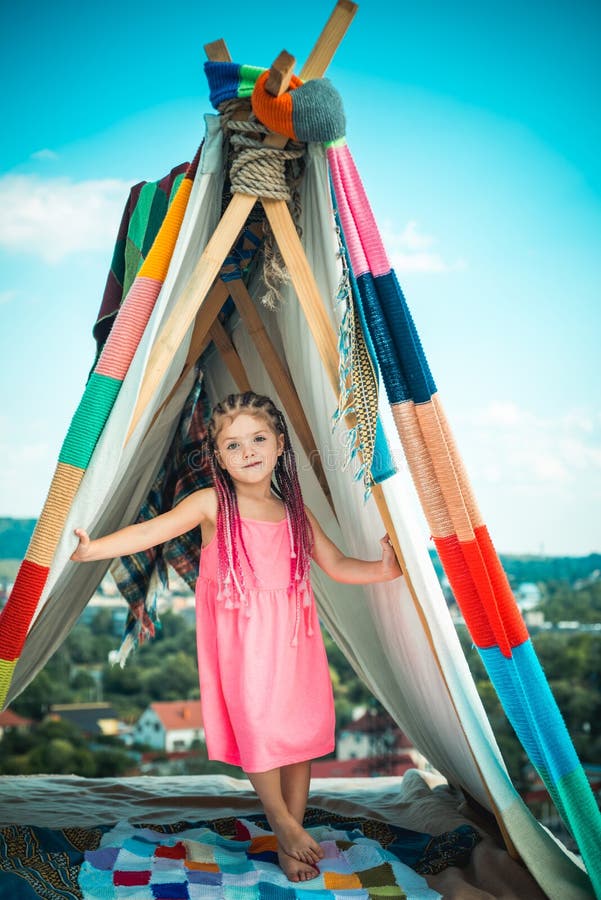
462,540
84,431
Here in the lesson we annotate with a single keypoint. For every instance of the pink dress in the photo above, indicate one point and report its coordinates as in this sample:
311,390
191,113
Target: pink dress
264,680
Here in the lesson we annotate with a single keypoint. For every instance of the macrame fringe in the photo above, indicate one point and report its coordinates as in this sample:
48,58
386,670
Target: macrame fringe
355,446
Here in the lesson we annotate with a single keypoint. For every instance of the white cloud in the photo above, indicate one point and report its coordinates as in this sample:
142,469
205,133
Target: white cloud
579,454
536,477
514,446
411,250
413,240
55,217
46,153
579,420
27,461
7,296
542,466
502,414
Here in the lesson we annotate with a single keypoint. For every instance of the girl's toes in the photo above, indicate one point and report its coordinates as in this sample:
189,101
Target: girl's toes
317,849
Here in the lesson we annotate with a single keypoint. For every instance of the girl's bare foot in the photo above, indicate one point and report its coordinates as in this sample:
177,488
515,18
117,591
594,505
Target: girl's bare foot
296,842
295,870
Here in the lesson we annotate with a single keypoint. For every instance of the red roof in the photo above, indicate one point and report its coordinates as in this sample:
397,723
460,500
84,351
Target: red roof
362,768
9,719
179,714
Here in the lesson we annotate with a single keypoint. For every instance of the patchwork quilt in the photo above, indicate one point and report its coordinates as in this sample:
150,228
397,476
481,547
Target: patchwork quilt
144,864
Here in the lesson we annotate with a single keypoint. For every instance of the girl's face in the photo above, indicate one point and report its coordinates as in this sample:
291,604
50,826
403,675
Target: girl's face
248,448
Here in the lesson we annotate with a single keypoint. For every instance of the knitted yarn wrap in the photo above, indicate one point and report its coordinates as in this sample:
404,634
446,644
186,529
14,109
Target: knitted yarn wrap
309,112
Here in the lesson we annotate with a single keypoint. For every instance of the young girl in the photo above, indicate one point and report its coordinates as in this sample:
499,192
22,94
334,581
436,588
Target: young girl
264,681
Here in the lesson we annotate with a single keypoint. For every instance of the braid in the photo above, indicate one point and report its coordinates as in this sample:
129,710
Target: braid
287,488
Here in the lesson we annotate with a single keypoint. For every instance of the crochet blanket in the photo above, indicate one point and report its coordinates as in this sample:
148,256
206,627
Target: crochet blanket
144,864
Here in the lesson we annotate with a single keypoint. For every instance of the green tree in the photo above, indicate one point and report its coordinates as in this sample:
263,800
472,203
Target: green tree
111,762
50,686
175,678
561,602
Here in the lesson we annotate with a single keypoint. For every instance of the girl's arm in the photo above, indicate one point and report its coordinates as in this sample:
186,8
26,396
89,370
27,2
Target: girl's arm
193,510
347,569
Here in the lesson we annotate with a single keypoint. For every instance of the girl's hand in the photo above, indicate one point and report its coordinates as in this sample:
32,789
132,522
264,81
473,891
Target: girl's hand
82,550
389,561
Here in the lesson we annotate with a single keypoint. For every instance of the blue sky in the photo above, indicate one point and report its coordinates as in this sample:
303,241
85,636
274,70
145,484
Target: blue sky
476,130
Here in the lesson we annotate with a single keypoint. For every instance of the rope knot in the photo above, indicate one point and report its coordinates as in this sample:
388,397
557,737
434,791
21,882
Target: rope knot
255,169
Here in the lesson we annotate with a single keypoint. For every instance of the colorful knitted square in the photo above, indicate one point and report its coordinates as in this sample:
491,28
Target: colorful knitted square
145,865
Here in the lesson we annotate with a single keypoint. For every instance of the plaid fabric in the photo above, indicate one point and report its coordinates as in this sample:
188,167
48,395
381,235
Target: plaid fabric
142,576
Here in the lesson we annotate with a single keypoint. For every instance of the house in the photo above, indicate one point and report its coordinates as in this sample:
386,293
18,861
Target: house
528,596
376,734
171,726
92,719
370,767
10,721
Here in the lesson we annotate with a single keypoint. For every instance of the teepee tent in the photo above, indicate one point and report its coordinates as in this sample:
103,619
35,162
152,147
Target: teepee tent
339,345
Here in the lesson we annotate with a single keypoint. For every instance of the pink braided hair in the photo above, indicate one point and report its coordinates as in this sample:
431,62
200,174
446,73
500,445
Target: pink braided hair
286,487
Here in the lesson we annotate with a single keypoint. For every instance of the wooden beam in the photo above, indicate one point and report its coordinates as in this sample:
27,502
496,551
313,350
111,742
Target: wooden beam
198,344
304,284
322,54
200,336
229,354
280,74
281,379
217,51
329,40
192,297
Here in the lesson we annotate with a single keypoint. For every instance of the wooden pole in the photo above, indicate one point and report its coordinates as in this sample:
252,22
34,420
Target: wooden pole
304,283
328,41
318,61
229,354
217,51
198,343
191,298
280,74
